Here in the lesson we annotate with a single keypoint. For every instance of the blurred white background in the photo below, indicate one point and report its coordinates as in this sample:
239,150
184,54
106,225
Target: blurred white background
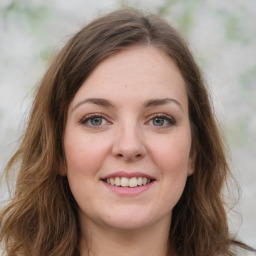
222,35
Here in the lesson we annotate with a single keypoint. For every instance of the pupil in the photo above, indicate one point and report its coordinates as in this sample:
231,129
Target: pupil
158,121
96,121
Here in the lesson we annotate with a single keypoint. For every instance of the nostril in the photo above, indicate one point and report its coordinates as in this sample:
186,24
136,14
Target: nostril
129,157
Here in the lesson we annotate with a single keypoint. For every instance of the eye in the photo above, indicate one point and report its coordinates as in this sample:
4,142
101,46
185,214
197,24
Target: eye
93,121
162,121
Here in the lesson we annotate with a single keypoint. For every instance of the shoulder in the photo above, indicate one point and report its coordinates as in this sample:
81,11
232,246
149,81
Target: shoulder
242,252
248,254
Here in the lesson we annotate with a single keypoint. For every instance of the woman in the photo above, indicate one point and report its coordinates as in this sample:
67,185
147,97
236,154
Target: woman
122,155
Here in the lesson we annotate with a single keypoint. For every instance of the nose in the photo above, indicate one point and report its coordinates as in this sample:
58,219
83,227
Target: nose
129,144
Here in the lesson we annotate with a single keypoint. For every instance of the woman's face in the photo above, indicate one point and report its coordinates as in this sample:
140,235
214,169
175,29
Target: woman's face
127,141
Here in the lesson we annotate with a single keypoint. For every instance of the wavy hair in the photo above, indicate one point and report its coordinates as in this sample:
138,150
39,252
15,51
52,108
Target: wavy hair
41,218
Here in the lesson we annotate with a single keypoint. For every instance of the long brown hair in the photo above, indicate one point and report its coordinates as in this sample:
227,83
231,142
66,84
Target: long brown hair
41,218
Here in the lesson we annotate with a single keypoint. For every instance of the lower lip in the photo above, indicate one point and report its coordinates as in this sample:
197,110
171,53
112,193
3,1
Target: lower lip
127,190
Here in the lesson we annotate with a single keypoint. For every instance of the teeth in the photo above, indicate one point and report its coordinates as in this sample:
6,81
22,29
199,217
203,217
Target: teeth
144,181
126,182
117,181
133,182
112,181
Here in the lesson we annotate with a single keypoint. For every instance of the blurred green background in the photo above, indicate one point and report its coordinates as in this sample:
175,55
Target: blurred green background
222,36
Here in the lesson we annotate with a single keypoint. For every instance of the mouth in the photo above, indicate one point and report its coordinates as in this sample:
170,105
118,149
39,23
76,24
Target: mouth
132,182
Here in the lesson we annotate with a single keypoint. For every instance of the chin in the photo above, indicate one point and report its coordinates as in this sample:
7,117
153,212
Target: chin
127,225
132,219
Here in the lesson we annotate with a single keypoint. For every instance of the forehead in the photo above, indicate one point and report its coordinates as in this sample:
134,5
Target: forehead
134,74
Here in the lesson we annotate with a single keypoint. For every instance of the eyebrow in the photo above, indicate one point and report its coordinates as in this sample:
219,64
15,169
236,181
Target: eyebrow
147,104
96,101
159,102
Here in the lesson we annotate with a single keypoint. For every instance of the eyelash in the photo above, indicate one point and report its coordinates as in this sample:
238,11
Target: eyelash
84,121
171,121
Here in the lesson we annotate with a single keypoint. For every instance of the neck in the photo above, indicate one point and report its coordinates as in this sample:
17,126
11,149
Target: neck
103,241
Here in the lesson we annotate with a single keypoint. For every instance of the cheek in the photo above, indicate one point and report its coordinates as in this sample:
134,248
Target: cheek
172,154
174,163
83,154
84,157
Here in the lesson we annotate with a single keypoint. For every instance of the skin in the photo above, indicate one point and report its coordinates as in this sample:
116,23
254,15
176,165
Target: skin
129,134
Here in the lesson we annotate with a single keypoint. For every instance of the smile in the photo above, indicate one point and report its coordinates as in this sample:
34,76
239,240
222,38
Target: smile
128,182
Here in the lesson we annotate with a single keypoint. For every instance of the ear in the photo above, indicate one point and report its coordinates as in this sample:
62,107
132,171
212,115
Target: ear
63,168
191,164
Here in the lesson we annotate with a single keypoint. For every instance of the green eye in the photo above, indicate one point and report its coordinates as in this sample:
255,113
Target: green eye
95,121
162,121
158,121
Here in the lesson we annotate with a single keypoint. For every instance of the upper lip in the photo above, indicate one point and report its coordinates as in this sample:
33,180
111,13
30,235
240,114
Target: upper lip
128,175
